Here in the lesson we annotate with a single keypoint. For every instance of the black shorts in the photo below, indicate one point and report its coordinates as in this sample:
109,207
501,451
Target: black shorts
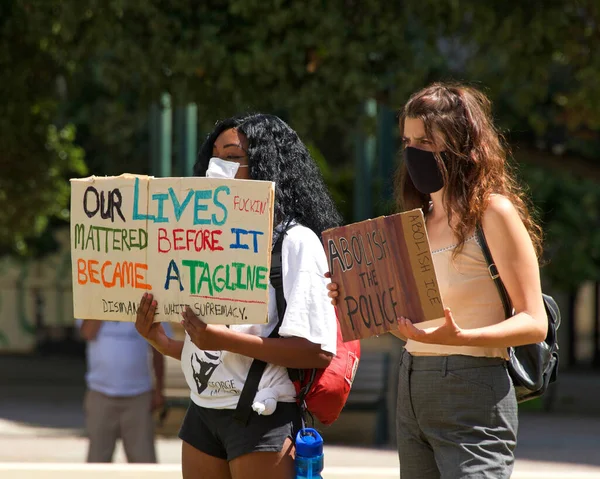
216,433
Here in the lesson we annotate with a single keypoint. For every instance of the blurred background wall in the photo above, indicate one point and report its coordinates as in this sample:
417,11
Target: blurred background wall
107,87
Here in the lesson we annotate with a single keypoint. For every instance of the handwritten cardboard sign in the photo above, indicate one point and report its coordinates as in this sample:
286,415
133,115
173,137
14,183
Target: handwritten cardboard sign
384,270
202,242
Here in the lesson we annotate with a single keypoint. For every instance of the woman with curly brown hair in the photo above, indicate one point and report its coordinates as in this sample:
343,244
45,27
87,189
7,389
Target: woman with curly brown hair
457,411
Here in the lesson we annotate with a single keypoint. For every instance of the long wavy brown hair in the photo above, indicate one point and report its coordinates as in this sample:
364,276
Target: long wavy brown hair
475,166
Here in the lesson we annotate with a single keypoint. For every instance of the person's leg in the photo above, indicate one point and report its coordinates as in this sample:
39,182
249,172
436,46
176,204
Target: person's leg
415,454
137,428
258,465
265,446
102,424
196,464
469,415
202,453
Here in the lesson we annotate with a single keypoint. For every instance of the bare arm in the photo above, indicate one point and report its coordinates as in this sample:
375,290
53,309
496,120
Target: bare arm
291,352
517,264
172,348
287,352
89,329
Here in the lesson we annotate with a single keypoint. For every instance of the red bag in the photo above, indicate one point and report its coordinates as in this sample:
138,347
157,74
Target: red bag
324,392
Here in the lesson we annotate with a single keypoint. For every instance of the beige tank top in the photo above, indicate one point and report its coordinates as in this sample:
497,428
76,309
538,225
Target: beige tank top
469,291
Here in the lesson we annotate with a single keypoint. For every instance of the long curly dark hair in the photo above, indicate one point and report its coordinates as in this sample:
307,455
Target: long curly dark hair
276,153
476,153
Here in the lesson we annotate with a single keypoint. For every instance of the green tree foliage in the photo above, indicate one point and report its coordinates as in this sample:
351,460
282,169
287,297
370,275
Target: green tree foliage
35,154
569,211
538,60
99,64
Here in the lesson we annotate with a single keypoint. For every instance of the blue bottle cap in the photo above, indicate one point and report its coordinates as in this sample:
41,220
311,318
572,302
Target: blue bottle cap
309,443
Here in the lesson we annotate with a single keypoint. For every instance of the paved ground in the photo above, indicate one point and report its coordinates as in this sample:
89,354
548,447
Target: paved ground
41,435
51,456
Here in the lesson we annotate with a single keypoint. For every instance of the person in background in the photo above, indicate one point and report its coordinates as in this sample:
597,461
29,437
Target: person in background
121,393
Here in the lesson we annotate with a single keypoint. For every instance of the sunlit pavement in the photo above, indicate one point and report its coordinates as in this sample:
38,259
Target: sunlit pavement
50,457
50,393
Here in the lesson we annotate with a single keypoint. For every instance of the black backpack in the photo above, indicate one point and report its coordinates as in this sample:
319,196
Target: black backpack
532,367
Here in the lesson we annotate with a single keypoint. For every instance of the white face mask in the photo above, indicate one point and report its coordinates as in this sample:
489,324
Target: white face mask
218,168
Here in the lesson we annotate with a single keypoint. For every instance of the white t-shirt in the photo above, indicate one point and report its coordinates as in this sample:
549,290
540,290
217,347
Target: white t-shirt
119,360
216,378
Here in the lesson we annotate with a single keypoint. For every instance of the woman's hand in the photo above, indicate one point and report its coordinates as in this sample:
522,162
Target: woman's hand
448,334
201,334
333,290
153,332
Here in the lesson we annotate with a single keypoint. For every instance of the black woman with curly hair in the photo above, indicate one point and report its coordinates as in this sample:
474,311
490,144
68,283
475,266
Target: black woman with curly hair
216,359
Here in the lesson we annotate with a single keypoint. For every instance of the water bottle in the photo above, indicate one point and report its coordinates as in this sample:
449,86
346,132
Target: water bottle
309,454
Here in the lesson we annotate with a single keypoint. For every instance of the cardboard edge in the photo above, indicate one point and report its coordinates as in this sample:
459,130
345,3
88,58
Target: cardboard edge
430,311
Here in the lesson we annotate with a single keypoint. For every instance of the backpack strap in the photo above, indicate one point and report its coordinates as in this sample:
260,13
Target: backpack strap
257,368
276,278
508,310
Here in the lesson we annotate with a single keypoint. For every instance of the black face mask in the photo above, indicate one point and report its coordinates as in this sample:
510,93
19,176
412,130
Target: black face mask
423,170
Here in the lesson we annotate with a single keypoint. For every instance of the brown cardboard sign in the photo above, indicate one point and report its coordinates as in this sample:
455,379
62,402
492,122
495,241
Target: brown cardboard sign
384,269
200,242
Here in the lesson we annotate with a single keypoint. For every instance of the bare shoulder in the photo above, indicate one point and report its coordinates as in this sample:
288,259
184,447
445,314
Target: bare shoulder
500,208
502,223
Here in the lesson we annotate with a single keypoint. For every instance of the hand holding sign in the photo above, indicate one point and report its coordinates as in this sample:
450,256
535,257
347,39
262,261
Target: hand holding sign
333,290
200,333
448,333
153,332
382,269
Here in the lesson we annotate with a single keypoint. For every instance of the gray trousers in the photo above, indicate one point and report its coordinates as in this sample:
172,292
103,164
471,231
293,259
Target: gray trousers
129,418
456,417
